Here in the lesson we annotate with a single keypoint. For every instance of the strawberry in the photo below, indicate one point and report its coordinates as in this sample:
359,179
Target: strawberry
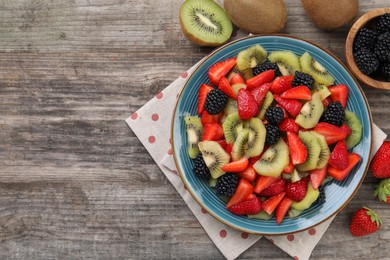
274,189
289,168
203,91
206,118
264,77
244,188
228,148
236,166
226,88
382,191
288,125
246,207
260,92
317,176
345,129
222,143
281,84
292,106
282,209
331,132
212,132
339,93
220,69
339,175
299,92
270,204
246,104
263,182
326,101
298,151
364,221
237,78
380,164
339,156
296,190
249,173
253,160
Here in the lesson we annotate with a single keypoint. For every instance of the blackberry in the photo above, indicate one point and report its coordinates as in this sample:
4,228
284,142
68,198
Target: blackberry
365,39
303,79
272,134
334,114
366,61
382,47
216,101
321,197
226,184
266,66
274,115
383,23
200,168
385,70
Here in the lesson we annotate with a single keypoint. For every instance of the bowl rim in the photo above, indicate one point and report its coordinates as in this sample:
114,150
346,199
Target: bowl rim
186,184
358,24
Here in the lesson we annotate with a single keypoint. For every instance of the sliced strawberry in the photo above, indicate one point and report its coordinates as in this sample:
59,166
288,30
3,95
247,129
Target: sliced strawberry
299,92
296,190
237,78
260,92
263,182
208,119
229,148
289,125
281,84
236,166
220,69
226,88
264,77
298,151
246,104
339,93
203,91
331,132
326,101
274,189
317,176
345,129
253,160
339,175
246,207
212,132
244,188
251,196
289,168
339,156
292,106
270,204
248,174
282,209
222,143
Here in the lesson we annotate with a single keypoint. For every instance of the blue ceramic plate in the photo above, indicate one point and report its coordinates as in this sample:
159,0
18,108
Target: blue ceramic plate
337,194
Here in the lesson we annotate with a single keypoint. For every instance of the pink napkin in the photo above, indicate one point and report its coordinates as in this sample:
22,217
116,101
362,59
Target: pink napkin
152,123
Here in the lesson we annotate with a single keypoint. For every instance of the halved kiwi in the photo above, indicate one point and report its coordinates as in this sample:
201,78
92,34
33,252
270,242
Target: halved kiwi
353,122
322,90
324,153
287,61
267,101
310,197
205,23
214,156
250,57
256,138
312,67
231,127
311,112
194,134
240,145
313,151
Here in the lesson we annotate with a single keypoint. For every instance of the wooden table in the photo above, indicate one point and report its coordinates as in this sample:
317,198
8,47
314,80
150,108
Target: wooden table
75,182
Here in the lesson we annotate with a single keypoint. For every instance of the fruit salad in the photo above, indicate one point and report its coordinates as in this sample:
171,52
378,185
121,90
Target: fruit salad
271,130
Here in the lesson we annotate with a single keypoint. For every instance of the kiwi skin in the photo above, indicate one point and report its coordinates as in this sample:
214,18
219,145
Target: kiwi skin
330,15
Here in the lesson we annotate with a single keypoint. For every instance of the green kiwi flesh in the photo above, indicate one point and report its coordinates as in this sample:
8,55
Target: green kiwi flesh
310,197
287,61
256,138
267,101
231,127
240,145
261,215
316,70
214,156
353,122
310,113
205,23
293,213
324,153
313,151
194,129
322,90
231,107
250,57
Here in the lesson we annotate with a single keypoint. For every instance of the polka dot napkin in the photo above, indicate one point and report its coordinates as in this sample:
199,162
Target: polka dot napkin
151,124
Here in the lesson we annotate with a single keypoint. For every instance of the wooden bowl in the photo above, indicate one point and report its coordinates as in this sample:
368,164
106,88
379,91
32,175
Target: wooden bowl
361,22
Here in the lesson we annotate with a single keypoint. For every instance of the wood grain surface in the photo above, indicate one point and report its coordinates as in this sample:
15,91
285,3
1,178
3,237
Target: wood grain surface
75,182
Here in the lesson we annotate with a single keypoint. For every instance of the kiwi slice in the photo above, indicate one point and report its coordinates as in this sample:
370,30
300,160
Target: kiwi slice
250,57
261,215
231,107
267,101
212,182
287,61
353,122
316,70
313,151
293,213
324,153
205,23
310,197
240,145
236,87
231,127
194,134
256,138
322,90
214,156
273,161
311,112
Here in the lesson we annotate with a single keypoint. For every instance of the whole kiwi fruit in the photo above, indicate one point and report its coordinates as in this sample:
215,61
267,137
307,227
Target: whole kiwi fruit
257,16
330,15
